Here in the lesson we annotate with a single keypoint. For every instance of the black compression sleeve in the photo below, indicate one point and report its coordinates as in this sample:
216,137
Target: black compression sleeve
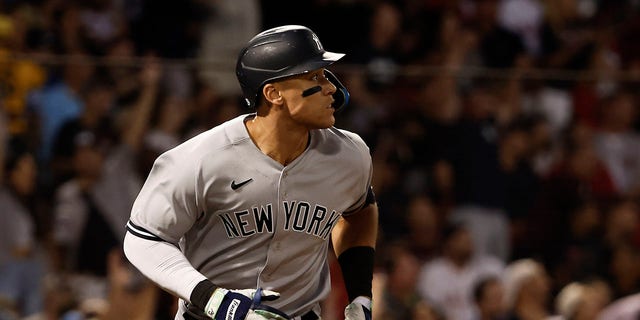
356,264
202,293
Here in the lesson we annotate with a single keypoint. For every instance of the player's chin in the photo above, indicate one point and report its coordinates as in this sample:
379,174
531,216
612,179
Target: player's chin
330,121
324,122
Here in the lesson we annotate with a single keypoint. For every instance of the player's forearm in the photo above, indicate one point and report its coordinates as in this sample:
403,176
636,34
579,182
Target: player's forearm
356,230
354,240
164,264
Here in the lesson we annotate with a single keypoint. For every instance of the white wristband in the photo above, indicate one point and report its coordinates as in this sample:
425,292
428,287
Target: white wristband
214,303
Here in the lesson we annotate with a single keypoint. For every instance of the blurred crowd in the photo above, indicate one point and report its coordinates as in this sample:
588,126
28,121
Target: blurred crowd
505,136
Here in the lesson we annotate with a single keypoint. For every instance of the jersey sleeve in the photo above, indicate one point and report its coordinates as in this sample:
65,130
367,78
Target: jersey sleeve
167,205
163,263
364,167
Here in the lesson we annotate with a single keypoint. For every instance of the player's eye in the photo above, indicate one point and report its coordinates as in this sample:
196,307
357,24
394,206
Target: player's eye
318,77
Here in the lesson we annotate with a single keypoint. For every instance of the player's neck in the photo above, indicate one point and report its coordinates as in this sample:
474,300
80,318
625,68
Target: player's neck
279,141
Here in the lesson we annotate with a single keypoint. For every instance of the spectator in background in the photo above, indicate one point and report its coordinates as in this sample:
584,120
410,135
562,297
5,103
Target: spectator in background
387,184
128,84
208,109
481,182
98,96
524,145
22,264
423,222
569,42
527,290
18,76
603,62
617,143
522,184
59,101
438,99
101,23
428,115
578,174
84,228
621,219
398,296
579,301
447,281
499,47
441,187
224,32
623,273
92,206
63,20
617,253
579,250
166,128
567,37
523,17
488,296
373,49
129,295
379,51
543,146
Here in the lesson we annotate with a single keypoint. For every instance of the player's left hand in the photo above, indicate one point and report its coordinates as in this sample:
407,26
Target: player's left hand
236,304
358,309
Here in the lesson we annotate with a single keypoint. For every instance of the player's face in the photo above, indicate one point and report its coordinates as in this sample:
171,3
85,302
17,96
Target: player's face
313,111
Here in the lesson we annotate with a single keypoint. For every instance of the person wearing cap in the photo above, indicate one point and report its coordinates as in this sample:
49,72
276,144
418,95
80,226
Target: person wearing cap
237,222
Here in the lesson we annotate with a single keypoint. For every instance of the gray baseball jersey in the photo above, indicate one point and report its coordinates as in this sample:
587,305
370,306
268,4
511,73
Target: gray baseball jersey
244,220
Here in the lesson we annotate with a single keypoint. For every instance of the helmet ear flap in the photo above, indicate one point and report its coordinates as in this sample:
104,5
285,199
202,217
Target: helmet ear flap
341,96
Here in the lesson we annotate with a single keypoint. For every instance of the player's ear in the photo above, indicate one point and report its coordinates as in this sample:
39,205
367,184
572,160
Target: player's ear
272,94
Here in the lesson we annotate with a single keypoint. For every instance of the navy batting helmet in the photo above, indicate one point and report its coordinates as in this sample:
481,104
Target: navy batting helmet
282,52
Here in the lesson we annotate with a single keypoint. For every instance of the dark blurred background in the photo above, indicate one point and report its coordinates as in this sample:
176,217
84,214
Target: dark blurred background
504,135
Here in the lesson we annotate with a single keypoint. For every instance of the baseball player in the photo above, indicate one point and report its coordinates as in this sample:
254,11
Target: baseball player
237,221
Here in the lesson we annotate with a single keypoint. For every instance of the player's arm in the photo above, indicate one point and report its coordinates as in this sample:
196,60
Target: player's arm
167,266
356,230
354,240
163,263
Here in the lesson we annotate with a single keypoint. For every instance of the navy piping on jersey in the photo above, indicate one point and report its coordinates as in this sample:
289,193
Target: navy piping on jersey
371,199
141,232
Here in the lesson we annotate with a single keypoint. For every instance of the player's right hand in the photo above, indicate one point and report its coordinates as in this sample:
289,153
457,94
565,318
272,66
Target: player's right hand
358,309
226,304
